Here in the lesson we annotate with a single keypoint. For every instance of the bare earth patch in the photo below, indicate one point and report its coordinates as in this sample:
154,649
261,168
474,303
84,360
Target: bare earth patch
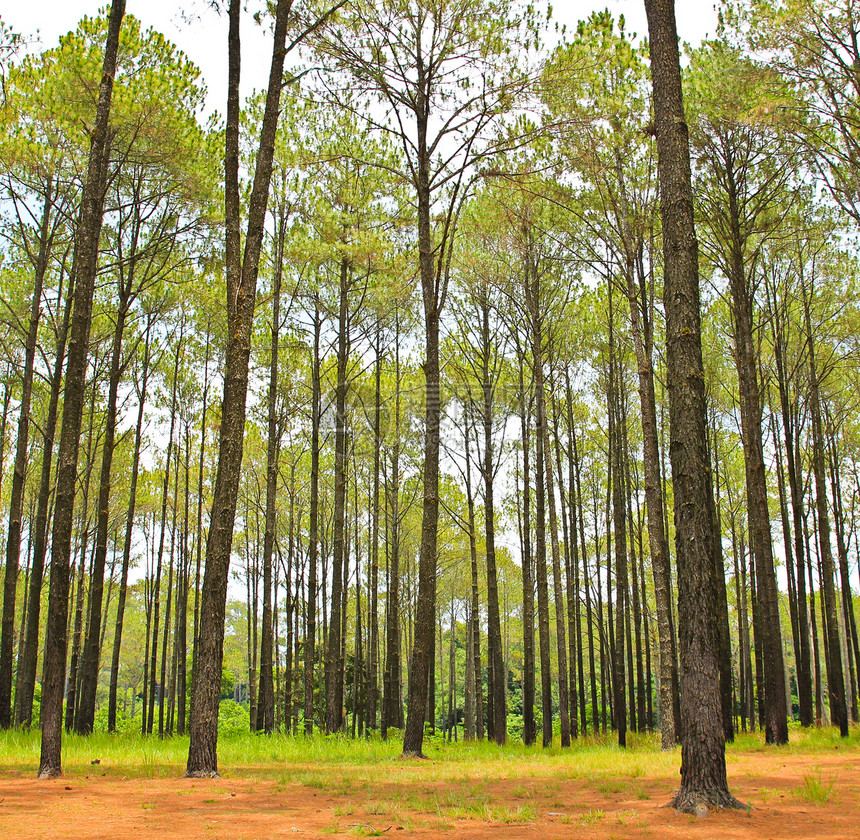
792,796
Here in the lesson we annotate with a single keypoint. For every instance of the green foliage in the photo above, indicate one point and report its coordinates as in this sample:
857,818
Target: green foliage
233,719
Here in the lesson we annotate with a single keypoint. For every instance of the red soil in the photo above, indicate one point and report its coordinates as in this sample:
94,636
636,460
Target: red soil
253,808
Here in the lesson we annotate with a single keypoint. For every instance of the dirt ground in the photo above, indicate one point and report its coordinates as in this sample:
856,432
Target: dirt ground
788,795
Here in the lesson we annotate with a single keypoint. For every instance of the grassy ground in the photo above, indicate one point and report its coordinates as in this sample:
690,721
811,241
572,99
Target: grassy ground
337,761
126,786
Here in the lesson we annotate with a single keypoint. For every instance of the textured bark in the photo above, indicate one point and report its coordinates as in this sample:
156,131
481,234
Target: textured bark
703,764
85,268
433,294
241,292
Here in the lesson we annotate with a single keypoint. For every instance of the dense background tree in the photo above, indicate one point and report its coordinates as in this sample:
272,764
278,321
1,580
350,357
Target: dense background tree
371,581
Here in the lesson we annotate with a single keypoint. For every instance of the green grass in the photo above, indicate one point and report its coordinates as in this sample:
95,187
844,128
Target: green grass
814,788
341,766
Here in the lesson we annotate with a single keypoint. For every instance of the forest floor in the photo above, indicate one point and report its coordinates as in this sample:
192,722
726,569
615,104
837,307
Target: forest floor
807,789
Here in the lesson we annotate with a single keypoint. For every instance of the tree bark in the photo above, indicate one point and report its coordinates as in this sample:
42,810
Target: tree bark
432,292
703,764
85,268
241,292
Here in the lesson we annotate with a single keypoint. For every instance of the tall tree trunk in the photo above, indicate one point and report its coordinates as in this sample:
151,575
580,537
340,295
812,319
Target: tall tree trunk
241,293
722,617
85,268
433,295
165,693
703,764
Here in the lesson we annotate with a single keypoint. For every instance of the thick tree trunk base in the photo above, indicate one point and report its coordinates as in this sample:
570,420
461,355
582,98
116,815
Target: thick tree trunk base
202,774
49,773
700,802
408,755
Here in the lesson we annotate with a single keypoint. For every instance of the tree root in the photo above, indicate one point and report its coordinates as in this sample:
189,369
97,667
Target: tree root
699,802
202,774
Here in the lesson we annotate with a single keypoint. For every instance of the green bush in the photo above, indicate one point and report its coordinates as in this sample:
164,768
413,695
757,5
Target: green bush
125,724
233,719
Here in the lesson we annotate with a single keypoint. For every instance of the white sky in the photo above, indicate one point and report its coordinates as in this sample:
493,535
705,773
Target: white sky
201,33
